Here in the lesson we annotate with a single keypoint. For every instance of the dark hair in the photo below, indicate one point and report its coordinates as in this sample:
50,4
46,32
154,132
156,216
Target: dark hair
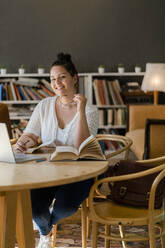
65,61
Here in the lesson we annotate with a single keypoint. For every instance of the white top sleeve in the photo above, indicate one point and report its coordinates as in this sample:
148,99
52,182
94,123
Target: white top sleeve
92,119
34,124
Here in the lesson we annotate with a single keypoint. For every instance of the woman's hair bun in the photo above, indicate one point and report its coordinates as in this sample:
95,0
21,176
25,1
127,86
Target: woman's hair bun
65,60
64,57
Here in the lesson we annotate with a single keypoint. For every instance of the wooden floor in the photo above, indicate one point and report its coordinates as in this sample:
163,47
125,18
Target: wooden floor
69,235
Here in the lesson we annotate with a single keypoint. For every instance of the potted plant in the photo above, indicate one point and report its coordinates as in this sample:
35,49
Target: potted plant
21,70
101,69
41,69
3,70
121,68
137,69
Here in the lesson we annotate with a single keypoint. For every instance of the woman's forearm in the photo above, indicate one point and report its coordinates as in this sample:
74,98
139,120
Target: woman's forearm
82,130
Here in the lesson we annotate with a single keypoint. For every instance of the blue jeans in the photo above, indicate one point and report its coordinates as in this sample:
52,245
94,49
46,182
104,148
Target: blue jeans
67,200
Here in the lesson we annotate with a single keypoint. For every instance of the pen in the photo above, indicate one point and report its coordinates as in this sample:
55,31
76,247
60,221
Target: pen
40,160
26,142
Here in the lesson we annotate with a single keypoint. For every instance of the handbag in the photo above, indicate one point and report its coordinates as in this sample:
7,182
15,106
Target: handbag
134,192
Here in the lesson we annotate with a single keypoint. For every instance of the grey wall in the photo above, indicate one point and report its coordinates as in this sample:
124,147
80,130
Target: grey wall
94,31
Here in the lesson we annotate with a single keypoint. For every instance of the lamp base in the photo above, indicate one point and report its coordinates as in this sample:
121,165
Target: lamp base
155,97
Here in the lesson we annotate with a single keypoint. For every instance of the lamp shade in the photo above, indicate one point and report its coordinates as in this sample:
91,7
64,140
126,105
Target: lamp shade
154,78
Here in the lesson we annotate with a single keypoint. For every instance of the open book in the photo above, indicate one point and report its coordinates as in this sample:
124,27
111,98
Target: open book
89,149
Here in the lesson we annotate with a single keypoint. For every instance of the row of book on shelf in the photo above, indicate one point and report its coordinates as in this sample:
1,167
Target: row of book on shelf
112,116
16,112
107,92
109,146
17,128
24,89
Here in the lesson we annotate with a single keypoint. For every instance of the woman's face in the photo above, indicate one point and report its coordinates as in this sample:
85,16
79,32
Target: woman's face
62,82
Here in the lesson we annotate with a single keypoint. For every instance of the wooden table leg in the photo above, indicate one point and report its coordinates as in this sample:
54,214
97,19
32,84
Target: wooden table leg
24,225
8,202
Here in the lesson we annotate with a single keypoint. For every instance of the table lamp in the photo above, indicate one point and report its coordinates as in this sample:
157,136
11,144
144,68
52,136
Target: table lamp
154,79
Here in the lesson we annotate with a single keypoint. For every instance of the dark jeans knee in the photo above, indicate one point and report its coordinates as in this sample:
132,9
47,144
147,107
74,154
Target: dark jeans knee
68,199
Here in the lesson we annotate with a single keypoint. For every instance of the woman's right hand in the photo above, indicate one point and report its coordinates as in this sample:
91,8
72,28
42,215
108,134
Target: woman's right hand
23,143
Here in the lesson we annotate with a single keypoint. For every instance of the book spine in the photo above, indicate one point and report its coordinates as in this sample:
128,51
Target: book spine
96,91
25,93
110,116
13,91
112,93
43,93
17,92
47,91
47,84
30,93
107,101
10,95
0,92
101,90
21,93
4,92
116,89
101,117
36,95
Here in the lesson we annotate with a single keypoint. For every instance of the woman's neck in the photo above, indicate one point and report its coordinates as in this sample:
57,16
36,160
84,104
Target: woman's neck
66,102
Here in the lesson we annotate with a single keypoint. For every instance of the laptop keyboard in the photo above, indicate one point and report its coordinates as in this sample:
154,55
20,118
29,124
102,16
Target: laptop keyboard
21,157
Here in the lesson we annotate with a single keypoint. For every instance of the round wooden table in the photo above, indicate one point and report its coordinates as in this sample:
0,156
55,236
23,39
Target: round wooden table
16,180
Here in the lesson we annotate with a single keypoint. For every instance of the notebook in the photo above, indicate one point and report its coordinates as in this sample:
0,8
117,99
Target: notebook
6,152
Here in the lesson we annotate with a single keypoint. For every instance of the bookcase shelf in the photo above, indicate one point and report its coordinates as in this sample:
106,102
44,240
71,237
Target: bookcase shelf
110,106
112,126
85,87
19,117
21,102
117,74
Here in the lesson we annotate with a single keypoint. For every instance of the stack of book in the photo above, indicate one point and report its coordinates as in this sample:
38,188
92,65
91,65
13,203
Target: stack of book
24,89
107,92
22,111
17,128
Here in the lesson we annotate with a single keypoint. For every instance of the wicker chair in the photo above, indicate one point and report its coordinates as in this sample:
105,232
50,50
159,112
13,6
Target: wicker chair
124,150
110,213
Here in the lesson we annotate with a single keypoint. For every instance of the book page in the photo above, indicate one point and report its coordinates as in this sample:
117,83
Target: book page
62,156
93,150
64,153
63,149
41,149
85,142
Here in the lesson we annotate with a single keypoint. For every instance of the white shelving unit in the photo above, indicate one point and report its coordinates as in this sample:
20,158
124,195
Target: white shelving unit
86,79
110,76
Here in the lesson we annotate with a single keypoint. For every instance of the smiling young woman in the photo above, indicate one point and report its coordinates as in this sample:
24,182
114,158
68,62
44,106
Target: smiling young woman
64,119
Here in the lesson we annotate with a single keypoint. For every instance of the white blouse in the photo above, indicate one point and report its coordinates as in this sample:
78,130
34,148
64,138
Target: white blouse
43,123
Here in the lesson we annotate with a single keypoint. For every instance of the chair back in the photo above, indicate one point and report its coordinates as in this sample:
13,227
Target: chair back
159,168
123,146
4,117
137,115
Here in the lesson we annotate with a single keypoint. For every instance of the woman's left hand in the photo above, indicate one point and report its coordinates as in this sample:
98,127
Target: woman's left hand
80,100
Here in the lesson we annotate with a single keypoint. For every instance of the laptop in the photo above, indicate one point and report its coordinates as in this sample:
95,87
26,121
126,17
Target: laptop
6,152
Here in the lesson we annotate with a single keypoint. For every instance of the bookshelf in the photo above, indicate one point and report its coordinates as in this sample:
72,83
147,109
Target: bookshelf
113,115
86,82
